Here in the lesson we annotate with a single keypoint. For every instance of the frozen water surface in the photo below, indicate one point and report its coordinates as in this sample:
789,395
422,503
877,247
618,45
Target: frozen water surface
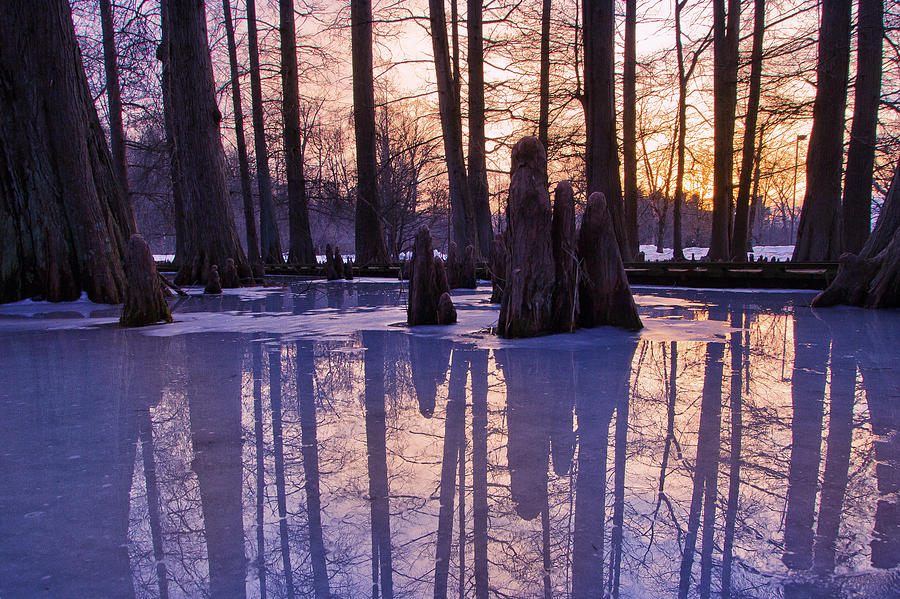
302,442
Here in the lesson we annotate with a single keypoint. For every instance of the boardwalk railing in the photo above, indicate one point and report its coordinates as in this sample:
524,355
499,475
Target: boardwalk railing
764,275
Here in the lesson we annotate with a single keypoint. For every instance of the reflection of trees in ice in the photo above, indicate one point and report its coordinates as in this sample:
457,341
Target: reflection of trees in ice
565,488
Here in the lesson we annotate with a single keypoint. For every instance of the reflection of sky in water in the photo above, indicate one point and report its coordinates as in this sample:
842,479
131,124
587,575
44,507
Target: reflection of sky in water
303,431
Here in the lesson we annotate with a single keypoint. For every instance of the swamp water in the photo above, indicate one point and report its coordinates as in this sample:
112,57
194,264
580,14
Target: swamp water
301,442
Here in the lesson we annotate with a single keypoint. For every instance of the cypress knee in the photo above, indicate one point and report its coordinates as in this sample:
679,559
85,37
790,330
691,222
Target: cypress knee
604,293
564,260
213,282
429,297
230,278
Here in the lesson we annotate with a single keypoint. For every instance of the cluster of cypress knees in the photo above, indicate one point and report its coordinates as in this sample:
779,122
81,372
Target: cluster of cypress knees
547,277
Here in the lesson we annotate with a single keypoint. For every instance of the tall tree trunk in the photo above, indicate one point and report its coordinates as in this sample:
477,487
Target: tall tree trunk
114,96
544,85
725,53
370,246
684,74
269,238
818,235
210,235
629,125
740,237
462,214
856,210
244,167
601,154
478,185
163,54
300,245
65,220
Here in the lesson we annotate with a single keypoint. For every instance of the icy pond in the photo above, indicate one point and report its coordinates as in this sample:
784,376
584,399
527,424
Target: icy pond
302,442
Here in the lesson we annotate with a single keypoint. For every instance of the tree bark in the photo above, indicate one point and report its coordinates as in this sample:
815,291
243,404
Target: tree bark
210,235
269,238
601,152
301,247
856,209
370,246
462,215
240,141
478,185
64,219
818,235
740,237
629,126
114,96
725,52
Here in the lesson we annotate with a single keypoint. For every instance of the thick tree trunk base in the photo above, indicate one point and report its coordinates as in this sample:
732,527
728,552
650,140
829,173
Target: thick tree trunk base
870,283
145,302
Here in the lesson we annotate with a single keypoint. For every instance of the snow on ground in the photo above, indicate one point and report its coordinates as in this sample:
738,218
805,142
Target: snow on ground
777,252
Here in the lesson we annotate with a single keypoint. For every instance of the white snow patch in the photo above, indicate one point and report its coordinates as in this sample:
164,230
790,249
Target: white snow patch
778,252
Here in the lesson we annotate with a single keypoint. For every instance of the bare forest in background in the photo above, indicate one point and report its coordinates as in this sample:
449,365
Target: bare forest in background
410,154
